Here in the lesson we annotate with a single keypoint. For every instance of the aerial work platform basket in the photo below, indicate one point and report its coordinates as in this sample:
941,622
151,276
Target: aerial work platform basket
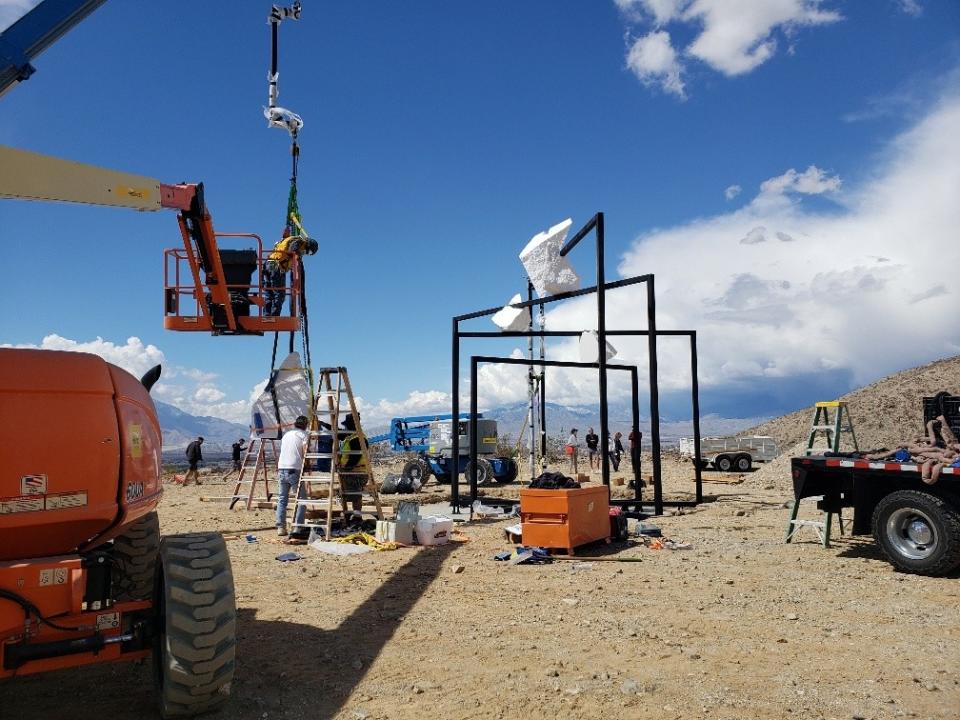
195,299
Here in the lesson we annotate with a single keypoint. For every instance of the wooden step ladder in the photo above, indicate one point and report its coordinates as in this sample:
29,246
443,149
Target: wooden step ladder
840,425
259,460
336,463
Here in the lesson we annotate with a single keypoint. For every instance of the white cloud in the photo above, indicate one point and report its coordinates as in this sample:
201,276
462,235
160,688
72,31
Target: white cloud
812,181
190,389
733,37
782,290
654,61
859,288
737,35
13,10
732,191
911,7
133,356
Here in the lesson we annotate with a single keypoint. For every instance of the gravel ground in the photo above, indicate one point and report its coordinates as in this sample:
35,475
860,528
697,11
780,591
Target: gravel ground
739,626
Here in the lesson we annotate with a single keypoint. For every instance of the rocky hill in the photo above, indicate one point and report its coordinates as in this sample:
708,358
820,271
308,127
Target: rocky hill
885,413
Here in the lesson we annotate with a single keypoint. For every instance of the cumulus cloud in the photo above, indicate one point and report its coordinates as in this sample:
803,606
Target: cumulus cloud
857,288
190,389
733,37
133,356
653,60
732,191
812,181
783,289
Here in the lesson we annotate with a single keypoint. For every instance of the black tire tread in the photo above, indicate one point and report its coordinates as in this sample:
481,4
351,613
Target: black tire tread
198,647
949,560
136,554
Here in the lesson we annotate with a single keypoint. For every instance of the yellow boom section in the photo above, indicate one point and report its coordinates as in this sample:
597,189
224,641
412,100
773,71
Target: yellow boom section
27,175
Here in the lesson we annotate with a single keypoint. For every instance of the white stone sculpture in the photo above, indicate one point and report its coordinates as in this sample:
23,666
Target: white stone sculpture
549,273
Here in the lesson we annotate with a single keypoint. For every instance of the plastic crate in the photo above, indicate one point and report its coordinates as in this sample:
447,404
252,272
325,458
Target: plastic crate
951,411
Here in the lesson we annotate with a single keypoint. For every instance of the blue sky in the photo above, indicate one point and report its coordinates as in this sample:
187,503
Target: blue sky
441,136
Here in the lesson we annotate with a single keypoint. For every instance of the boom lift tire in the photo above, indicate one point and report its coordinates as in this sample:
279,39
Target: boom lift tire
743,463
484,471
417,469
136,554
723,463
918,532
511,474
195,647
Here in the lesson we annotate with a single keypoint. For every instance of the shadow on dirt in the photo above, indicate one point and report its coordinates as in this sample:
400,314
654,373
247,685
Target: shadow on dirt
286,669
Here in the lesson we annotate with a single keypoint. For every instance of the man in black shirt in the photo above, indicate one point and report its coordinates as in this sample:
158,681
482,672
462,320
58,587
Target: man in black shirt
238,448
593,454
194,457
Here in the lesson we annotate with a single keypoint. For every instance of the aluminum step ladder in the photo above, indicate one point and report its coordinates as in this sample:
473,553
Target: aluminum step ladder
842,424
336,464
259,460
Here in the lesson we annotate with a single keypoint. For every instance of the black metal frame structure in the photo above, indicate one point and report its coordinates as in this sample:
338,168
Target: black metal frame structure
651,333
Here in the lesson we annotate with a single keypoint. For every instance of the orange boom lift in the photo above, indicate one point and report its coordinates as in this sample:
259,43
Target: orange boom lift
84,575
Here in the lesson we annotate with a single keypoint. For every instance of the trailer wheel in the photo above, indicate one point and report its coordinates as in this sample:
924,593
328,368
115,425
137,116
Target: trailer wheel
743,463
194,649
417,469
918,532
511,471
484,471
136,554
723,463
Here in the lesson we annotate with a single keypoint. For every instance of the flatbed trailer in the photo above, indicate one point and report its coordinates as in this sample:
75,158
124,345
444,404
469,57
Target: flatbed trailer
916,525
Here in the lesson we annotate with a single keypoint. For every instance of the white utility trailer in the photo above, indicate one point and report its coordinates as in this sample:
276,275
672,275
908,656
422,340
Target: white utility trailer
738,454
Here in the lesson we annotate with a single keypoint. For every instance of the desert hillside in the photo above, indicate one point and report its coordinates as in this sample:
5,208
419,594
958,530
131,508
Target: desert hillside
885,413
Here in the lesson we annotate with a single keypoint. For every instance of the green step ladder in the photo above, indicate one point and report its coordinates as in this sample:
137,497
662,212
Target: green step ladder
841,424
821,527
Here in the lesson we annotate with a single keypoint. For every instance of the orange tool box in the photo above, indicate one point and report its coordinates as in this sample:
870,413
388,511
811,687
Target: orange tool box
565,518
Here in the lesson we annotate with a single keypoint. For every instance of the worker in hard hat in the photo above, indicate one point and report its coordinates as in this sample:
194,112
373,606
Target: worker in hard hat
276,267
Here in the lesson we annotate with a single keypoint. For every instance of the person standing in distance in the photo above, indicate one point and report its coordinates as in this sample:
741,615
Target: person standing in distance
292,446
194,458
238,448
573,447
593,454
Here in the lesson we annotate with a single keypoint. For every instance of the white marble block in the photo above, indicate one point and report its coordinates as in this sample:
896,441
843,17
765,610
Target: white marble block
512,319
588,348
549,273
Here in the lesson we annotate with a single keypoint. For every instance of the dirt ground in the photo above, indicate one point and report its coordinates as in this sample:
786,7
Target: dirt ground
739,626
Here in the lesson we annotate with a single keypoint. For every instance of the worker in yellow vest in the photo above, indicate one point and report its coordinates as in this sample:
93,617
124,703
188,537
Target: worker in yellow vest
277,265
351,463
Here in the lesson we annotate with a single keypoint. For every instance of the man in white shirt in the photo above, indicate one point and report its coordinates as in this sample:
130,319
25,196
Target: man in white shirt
292,447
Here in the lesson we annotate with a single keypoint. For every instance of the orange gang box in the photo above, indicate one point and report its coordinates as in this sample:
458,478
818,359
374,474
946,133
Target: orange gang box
565,518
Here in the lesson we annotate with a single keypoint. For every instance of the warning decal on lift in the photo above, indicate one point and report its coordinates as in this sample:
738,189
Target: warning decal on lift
33,484
22,504
108,621
53,576
62,501
136,440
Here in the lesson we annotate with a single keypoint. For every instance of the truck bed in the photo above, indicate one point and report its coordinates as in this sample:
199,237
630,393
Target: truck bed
860,484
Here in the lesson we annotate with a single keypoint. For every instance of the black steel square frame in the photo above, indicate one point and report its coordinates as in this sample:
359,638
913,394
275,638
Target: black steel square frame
596,223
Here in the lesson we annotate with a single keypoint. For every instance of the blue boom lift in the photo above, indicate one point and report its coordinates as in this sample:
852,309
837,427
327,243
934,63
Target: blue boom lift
423,435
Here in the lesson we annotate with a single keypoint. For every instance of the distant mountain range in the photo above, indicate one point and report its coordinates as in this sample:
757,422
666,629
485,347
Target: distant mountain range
561,418
179,427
